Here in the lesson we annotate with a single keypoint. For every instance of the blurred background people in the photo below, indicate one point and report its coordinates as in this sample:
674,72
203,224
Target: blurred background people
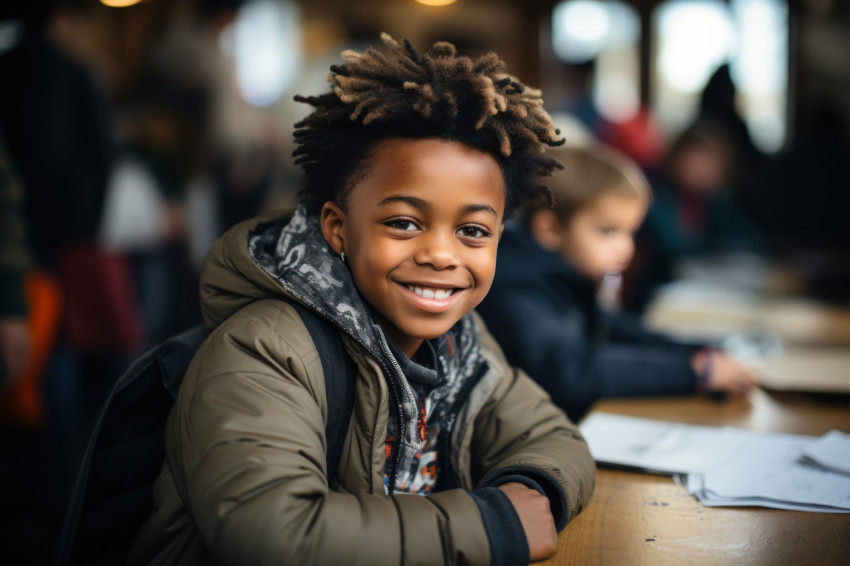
718,106
803,201
14,264
544,307
56,123
695,212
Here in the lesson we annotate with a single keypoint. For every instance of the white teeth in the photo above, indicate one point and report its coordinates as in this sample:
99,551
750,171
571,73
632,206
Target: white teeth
431,293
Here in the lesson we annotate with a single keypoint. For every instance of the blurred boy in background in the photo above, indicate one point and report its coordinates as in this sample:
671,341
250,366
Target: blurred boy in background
544,307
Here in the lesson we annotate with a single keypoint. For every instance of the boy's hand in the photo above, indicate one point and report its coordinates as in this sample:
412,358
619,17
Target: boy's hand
536,517
730,376
725,375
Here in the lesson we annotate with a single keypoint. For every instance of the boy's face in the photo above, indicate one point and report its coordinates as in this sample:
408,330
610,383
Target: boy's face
420,233
599,237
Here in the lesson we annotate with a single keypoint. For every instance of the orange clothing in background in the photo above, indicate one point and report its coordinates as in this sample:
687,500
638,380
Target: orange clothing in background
23,402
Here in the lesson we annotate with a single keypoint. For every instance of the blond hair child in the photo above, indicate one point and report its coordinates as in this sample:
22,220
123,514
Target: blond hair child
544,309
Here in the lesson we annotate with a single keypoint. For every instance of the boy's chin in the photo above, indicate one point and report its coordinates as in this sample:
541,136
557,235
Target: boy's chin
429,332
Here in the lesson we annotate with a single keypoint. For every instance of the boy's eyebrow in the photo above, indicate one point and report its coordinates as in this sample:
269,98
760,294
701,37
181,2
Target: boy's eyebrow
424,205
480,208
412,201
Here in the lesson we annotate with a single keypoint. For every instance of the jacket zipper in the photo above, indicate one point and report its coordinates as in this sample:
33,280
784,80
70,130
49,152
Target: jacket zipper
445,440
402,423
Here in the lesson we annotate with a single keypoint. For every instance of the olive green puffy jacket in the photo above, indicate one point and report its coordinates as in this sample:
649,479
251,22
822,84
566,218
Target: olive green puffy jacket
244,480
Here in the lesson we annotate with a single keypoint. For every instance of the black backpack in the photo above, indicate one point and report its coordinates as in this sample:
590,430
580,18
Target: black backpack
112,496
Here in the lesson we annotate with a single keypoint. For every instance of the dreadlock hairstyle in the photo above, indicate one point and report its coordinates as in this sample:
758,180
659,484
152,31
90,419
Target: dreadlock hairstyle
401,93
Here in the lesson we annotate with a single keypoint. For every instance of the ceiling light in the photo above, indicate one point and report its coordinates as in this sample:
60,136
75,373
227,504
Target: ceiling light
436,2
119,3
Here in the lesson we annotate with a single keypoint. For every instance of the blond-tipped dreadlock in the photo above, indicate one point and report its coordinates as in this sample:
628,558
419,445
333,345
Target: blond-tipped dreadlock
401,93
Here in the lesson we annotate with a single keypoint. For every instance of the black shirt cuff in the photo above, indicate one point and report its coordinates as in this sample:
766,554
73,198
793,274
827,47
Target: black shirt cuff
508,544
536,479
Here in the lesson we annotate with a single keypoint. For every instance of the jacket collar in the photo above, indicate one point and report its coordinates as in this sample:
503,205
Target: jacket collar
297,257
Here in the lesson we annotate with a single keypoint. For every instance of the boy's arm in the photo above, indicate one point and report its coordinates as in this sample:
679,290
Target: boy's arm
627,327
722,374
247,451
576,372
520,433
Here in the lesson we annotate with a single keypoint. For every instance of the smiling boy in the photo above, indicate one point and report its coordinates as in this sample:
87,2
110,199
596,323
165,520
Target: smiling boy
451,456
421,235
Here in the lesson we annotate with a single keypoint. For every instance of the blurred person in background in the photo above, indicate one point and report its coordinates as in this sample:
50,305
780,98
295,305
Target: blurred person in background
803,203
717,105
545,309
56,125
695,213
165,149
196,159
639,136
14,265
56,122
29,317
30,305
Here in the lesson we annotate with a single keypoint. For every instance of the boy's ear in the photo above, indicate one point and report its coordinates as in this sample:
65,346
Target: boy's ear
546,229
332,221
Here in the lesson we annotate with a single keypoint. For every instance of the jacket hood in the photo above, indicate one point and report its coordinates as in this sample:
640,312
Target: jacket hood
283,254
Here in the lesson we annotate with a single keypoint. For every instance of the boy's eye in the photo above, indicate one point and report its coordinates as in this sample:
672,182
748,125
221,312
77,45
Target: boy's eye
606,231
474,232
402,224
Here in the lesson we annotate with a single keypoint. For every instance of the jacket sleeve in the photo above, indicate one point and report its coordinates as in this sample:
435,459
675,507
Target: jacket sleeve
627,327
576,372
520,432
247,446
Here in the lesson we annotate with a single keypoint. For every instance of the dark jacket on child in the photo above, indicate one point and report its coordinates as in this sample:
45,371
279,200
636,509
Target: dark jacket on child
244,481
546,317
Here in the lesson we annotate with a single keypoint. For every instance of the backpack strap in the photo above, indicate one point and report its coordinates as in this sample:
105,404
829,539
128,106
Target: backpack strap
111,496
103,516
340,374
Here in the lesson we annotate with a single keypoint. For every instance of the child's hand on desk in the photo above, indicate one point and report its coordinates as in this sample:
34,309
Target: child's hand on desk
536,517
721,374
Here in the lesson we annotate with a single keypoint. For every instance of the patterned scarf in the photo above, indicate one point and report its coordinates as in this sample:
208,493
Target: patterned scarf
425,390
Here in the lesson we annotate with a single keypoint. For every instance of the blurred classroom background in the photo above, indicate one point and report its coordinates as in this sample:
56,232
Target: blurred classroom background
133,133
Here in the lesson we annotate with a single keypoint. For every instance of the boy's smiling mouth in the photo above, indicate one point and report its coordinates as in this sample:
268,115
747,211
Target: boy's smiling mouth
434,298
431,292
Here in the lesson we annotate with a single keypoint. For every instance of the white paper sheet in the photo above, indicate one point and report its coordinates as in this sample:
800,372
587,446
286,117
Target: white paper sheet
723,466
769,466
651,445
832,451
695,485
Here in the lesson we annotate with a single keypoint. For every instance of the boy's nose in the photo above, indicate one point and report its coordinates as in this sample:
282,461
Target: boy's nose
437,251
626,249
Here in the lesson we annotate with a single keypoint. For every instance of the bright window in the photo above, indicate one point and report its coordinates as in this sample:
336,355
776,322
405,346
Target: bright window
608,33
265,43
694,37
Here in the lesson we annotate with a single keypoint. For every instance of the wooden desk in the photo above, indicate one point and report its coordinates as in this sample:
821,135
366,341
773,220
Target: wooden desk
641,519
